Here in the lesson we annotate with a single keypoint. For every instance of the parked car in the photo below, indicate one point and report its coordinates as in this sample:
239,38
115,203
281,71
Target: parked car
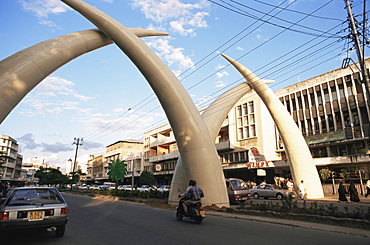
34,207
103,187
84,187
94,187
163,188
237,190
270,191
144,188
125,187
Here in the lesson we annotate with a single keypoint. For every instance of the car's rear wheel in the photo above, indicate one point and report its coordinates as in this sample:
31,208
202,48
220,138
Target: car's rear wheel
256,196
279,196
178,215
60,231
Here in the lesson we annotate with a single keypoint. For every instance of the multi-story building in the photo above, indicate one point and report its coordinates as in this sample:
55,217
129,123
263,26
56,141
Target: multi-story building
11,166
98,164
30,166
332,111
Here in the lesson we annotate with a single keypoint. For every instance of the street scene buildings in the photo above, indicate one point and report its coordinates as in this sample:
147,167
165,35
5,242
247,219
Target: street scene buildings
331,110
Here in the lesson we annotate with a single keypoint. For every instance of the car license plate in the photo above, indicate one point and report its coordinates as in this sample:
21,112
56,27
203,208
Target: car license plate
36,215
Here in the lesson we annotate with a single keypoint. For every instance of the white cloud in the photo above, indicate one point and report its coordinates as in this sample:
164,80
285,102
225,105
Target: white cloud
239,48
173,56
220,84
53,96
42,8
184,16
219,67
222,74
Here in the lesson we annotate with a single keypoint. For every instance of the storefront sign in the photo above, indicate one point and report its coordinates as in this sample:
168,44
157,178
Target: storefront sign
263,164
261,172
254,154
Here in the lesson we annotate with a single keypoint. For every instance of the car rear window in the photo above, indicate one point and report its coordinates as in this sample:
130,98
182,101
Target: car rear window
33,197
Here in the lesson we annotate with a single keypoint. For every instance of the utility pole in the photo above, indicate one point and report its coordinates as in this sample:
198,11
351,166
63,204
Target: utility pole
77,142
357,42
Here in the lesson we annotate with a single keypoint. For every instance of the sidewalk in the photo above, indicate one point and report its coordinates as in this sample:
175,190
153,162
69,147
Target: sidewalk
335,198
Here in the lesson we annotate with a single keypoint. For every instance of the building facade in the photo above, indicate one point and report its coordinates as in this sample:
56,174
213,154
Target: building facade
331,110
11,166
128,150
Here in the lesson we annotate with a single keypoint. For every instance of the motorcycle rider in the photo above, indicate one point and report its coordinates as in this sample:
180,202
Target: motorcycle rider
193,193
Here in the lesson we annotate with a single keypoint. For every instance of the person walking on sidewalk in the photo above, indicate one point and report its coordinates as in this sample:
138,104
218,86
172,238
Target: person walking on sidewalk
367,188
302,190
342,192
353,194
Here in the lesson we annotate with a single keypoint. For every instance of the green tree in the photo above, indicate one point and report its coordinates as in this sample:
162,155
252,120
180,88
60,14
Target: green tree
76,176
146,178
117,170
51,176
344,173
324,174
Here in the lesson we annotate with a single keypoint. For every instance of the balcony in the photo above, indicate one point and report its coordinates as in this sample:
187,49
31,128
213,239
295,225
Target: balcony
163,141
226,145
172,155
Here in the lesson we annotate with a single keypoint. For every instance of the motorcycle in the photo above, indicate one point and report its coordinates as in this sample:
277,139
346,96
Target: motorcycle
195,212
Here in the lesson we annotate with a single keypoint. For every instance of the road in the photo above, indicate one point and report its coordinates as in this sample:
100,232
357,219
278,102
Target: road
96,221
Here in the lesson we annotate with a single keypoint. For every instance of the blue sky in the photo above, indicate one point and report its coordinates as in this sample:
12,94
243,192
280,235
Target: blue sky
102,97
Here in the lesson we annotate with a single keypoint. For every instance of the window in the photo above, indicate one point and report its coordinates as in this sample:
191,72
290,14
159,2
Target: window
341,91
312,97
246,121
306,104
326,95
236,157
319,97
334,93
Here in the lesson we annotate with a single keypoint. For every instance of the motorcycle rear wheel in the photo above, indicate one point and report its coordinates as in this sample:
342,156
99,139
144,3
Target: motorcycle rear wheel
198,220
179,215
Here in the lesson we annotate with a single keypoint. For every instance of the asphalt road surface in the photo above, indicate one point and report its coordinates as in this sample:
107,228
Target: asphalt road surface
95,221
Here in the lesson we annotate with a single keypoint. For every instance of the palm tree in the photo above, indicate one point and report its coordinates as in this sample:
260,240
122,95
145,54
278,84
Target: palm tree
117,170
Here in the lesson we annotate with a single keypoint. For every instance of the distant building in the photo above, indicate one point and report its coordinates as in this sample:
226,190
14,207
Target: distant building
10,168
30,166
97,166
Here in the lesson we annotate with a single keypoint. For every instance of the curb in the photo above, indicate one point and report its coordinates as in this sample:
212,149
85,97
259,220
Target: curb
295,223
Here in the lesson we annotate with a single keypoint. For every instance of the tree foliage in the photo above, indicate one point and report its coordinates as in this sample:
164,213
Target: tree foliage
117,170
344,173
51,176
324,174
76,176
146,178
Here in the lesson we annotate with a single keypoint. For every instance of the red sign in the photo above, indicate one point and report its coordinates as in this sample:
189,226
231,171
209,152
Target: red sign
263,164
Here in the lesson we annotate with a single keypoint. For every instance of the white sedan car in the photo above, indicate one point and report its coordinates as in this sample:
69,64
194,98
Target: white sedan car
270,191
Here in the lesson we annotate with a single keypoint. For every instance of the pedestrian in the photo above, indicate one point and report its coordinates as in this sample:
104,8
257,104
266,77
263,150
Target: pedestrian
342,192
302,190
367,188
353,194
290,185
